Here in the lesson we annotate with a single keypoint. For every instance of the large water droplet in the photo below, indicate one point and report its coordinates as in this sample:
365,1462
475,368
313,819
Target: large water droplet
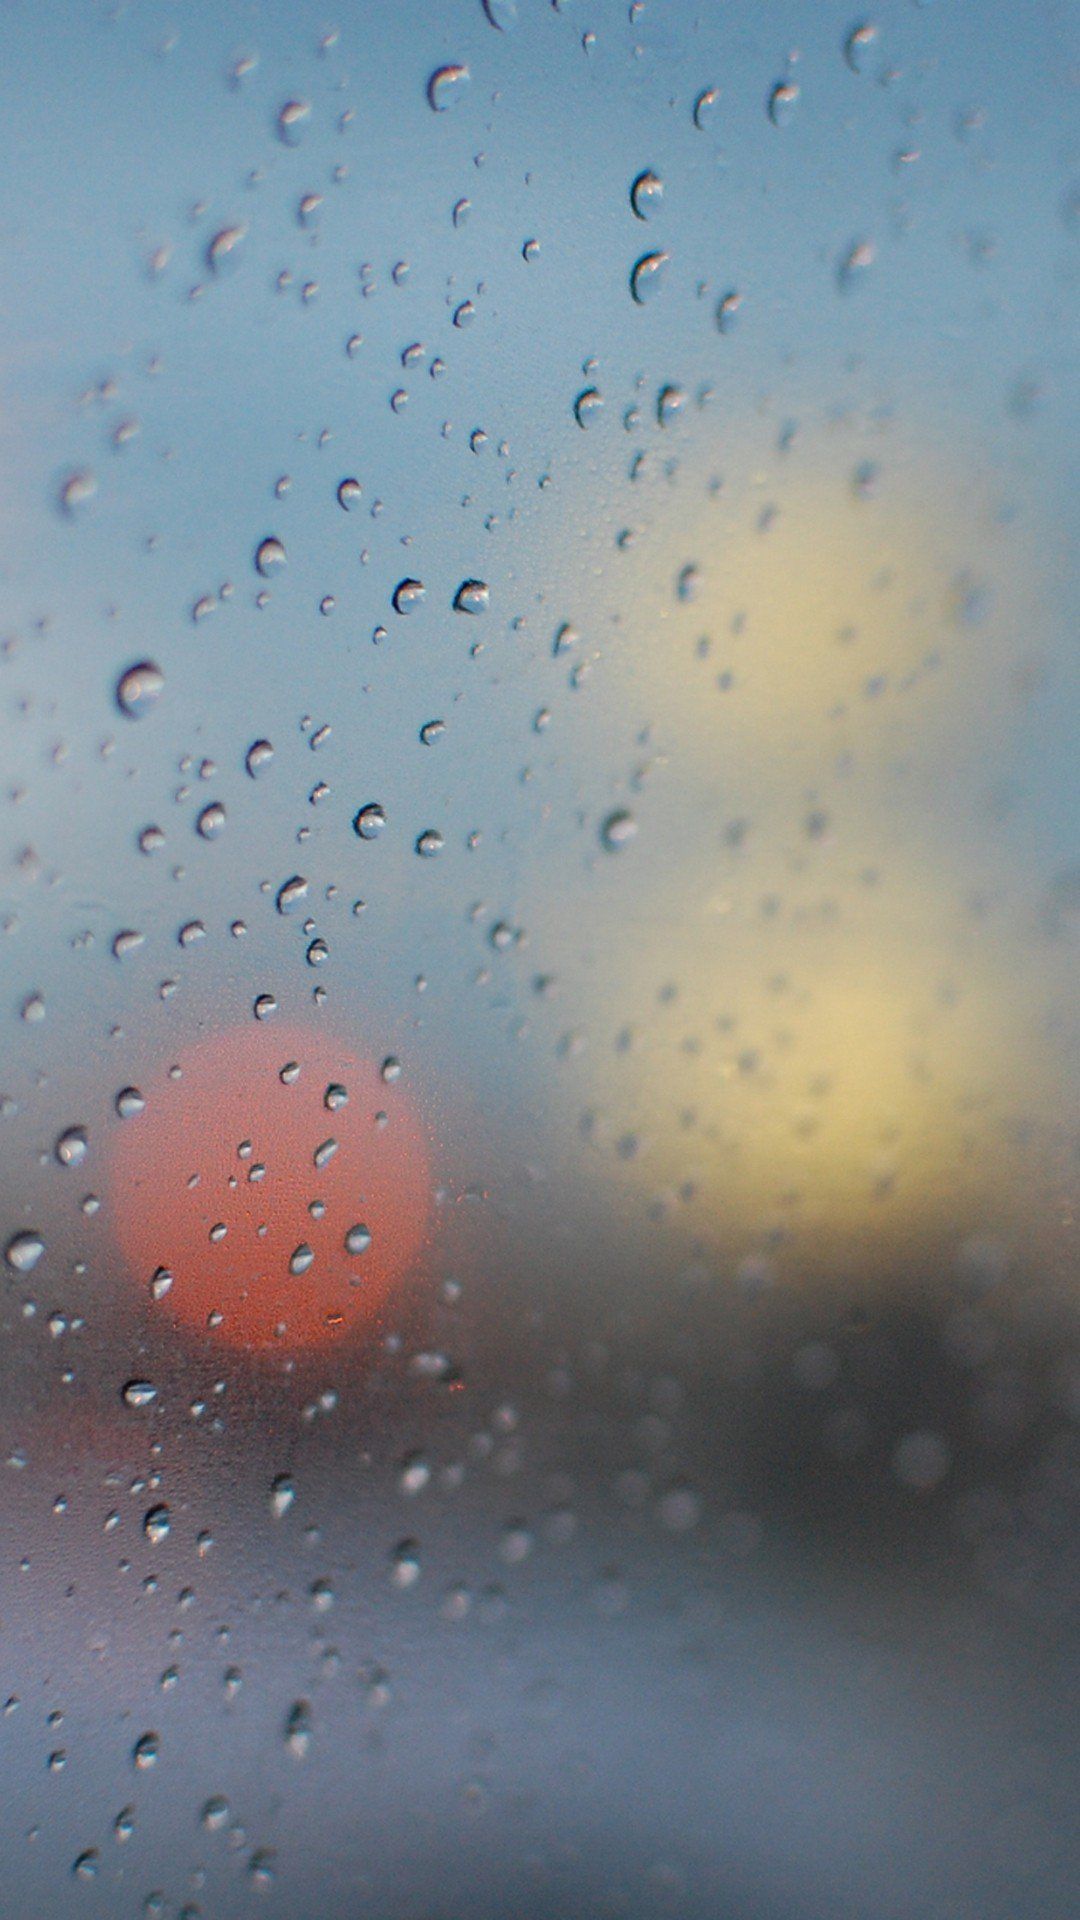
502,13
370,821
407,595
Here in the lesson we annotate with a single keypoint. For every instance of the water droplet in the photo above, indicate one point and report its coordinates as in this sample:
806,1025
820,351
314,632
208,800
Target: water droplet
298,1729
215,1813
670,402
647,195
211,821
282,1495
431,731
647,276
156,1523
71,1147
301,1259
502,13
370,821
447,86
727,311
145,1751
139,1393
357,1239
292,121
292,894
855,264
23,1251
588,407
258,757
348,493
407,595
618,830
139,688
430,842
270,556
782,102
129,1102
472,596
76,492
858,46
223,251
705,107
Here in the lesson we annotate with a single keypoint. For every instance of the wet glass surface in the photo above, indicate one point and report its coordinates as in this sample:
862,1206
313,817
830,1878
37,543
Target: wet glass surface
539,912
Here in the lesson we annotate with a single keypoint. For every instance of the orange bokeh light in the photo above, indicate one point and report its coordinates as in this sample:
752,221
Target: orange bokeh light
255,1187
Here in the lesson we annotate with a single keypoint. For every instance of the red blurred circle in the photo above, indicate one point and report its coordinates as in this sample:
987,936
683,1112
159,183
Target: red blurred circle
277,1180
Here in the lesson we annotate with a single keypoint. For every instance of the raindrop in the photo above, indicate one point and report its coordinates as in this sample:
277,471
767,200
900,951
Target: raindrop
139,1393
431,731
156,1523
782,102
145,1751
292,121
348,494
138,689
618,830
292,894
129,1102
430,842
647,194
502,13
258,757
588,407
647,276
298,1729
23,1251
76,492
211,821
270,556
282,1495
447,86
370,821
71,1146
472,597
357,1239
407,595
223,251
705,107
858,46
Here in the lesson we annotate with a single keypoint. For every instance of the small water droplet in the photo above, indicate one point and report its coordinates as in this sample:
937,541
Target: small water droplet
618,830
298,1729
223,252
156,1524
429,843
370,821
647,194
139,688
473,596
301,1259
705,107
269,556
258,757
407,596
292,121
77,491
859,45
145,1751
292,894
357,1239
647,276
588,407
782,102
24,1250
502,13
71,1147
139,1393
348,493
447,86
211,821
